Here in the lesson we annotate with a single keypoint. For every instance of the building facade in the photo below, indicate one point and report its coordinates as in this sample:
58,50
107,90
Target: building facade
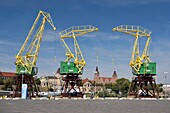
87,84
104,80
6,75
53,82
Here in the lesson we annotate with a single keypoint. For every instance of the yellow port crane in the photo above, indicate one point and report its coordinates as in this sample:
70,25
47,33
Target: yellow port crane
27,56
140,64
75,67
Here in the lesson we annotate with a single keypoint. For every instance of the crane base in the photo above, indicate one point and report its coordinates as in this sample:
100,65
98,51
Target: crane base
32,87
69,88
143,87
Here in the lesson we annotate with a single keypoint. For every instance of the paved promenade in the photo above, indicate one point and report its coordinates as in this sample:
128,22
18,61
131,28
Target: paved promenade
84,106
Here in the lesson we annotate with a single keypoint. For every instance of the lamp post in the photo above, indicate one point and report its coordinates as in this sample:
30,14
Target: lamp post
165,73
54,85
95,88
22,72
22,78
47,85
103,91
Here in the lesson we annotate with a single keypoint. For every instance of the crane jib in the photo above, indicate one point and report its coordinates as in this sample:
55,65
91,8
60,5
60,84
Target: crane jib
27,56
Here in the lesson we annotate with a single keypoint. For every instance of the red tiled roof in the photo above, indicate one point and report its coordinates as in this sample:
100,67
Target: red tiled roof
110,79
7,74
85,80
92,81
103,78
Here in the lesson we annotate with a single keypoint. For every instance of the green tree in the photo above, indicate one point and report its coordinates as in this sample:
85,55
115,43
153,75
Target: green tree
160,87
8,84
108,86
104,93
123,86
115,88
38,82
1,81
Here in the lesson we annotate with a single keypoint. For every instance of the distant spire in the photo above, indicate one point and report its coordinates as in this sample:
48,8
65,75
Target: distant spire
114,74
97,70
58,70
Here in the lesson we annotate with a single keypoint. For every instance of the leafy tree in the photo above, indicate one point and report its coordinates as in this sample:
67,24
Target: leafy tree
99,84
104,93
160,87
108,86
123,86
120,88
38,82
8,83
1,81
115,88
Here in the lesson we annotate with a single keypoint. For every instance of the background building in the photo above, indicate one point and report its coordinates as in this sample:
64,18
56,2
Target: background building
97,84
6,75
51,82
166,90
104,80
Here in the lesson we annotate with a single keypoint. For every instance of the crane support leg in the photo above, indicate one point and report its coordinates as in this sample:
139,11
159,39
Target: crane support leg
72,86
143,87
32,87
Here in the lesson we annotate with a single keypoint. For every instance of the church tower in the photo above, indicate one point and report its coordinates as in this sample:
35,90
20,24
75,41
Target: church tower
96,74
114,76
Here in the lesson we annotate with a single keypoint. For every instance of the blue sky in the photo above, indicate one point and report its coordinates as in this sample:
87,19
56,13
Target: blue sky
17,17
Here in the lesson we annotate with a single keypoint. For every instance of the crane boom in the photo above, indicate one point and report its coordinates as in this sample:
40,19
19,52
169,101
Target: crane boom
136,60
26,58
74,32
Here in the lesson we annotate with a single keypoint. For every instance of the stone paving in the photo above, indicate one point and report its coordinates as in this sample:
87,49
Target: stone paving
84,106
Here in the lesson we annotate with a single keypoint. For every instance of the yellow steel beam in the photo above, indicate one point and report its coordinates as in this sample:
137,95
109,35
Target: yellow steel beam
136,31
28,57
74,32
